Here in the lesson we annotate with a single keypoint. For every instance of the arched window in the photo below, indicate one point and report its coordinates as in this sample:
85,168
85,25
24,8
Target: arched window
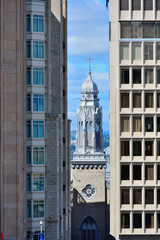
89,230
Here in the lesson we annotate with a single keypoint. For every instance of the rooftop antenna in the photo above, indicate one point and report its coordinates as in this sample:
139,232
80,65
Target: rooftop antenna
89,59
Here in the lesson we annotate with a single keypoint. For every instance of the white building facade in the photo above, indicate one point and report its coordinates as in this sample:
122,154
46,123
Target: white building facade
134,119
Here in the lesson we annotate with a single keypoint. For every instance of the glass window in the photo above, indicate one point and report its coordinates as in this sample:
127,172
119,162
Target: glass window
124,5
38,102
124,148
158,220
149,172
125,220
28,76
148,29
125,198
157,4
158,196
28,129
38,182
28,103
137,124
124,51
158,124
148,4
149,124
136,29
124,124
157,29
124,172
149,146
28,50
28,155
148,76
137,220
149,220
136,4
38,129
38,208
137,172
158,172
38,155
158,148
136,100
38,49
158,51
148,51
38,23
137,196
28,23
149,100
28,209
126,30
38,76
28,182
124,76
124,100
158,75
136,51
136,76
149,196
137,148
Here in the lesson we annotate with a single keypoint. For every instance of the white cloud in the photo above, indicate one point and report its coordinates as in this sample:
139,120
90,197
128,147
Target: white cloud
87,29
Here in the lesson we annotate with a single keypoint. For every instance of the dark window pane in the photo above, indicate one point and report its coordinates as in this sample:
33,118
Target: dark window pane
136,29
137,148
137,220
124,4
148,29
149,124
137,172
136,4
124,76
125,30
149,148
157,4
148,4
158,124
149,196
124,148
157,29
125,220
149,220
158,196
125,199
124,172
149,100
136,76
158,172
137,196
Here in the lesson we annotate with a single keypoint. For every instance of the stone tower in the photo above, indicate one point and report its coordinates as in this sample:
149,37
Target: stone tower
89,207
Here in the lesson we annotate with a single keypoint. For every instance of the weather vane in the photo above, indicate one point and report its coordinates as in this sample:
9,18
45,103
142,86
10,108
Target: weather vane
89,59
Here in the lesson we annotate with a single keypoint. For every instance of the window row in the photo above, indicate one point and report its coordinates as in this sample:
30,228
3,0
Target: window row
34,23
137,220
34,235
35,129
35,76
35,102
35,182
137,196
140,29
137,172
137,124
137,100
136,74
35,209
35,155
137,148
148,51
35,49
136,5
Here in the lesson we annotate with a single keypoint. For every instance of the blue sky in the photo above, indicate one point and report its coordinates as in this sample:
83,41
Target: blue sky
88,31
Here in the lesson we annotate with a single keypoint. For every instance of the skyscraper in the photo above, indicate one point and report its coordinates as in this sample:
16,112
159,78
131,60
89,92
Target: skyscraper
35,131
89,198
135,119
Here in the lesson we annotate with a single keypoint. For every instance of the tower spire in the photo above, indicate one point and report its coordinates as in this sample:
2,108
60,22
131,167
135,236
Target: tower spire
89,59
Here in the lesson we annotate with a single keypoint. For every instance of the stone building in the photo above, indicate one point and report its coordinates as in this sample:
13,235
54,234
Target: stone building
35,131
89,199
134,119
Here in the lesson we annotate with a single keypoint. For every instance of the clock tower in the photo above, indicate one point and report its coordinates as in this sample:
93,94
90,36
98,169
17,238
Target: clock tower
89,198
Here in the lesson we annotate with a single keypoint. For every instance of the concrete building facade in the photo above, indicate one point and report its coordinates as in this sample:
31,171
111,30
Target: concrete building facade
88,198
35,131
134,119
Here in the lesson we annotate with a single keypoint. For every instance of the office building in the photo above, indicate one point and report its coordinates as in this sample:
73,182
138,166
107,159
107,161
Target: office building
135,119
35,131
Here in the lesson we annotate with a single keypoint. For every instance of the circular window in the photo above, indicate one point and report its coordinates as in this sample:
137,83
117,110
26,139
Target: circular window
89,191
